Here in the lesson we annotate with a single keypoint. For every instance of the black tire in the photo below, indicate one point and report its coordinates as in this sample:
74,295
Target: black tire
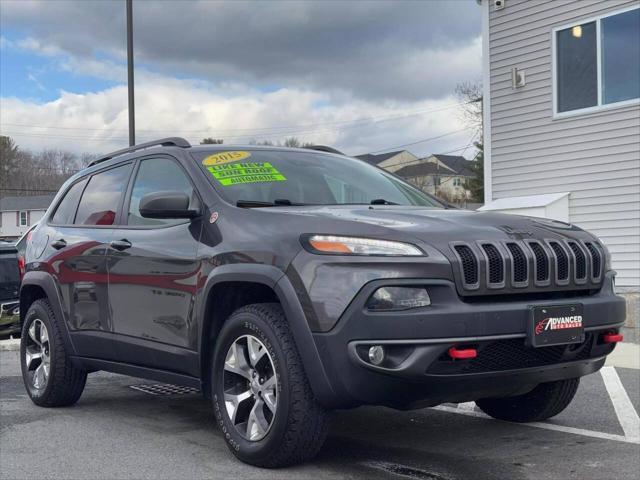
65,382
545,401
299,426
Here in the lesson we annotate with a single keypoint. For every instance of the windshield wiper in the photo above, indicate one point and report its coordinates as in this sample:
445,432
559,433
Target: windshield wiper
382,201
278,202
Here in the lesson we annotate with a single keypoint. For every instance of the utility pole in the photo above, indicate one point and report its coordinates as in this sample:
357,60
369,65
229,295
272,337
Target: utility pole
132,113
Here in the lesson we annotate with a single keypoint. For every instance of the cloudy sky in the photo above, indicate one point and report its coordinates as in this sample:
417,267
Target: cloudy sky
360,76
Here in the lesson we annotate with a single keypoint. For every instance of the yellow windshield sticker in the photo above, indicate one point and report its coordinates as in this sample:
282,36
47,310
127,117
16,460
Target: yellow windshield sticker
246,172
225,157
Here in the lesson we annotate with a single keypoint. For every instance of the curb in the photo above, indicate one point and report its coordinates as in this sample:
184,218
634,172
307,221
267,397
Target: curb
10,345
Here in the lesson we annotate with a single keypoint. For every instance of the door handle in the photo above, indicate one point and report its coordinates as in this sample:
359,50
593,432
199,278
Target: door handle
120,245
59,244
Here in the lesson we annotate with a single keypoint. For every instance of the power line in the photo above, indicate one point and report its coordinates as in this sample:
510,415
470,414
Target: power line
251,137
27,190
421,141
257,130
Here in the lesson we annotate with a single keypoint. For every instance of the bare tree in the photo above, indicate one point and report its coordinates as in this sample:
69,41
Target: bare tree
471,113
33,173
470,94
292,142
212,141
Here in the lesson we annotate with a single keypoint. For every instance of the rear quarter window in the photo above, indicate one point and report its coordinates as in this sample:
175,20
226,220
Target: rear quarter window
66,210
102,197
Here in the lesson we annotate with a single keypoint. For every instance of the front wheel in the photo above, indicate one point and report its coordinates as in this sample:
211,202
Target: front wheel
261,396
545,401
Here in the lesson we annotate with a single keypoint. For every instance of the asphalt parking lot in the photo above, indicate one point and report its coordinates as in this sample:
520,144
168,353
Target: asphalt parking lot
116,431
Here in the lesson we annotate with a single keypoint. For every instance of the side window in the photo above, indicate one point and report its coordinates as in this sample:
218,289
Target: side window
67,206
157,175
621,57
598,62
577,68
102,196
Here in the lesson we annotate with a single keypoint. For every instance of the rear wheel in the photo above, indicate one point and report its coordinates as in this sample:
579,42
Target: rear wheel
545,401
49,377
261,396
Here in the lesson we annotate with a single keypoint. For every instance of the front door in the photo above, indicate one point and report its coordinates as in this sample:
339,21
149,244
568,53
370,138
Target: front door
153,274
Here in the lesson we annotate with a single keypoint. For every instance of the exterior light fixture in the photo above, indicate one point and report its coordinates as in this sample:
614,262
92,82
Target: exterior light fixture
577,31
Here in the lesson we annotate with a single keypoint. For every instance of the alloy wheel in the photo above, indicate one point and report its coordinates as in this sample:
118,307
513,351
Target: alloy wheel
37,358
250,387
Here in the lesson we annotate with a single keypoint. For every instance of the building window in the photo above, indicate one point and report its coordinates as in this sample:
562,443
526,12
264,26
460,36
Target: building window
457,182
24,219
597,63
436,181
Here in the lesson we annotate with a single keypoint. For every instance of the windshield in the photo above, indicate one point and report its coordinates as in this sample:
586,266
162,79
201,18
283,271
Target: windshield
313,178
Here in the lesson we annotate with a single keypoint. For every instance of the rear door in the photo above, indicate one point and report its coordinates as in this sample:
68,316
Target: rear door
79,234
153,274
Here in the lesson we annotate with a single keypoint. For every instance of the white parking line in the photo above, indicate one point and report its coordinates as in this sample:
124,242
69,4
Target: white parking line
627,415
625,411
468,406
545,426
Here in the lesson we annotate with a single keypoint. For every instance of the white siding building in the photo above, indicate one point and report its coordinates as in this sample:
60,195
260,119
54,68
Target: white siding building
18,214
562,118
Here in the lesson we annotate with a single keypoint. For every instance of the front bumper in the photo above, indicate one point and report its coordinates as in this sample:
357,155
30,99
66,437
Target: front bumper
418,372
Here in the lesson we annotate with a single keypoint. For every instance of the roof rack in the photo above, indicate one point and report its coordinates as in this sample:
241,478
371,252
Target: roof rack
323,148
165,142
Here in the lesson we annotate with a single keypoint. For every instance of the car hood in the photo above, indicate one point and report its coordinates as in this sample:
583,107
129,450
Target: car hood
433,226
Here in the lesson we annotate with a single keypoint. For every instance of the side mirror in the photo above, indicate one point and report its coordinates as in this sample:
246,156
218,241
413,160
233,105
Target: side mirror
166,205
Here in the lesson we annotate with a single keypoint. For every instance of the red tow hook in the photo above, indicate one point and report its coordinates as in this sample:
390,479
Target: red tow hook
459,354
612,337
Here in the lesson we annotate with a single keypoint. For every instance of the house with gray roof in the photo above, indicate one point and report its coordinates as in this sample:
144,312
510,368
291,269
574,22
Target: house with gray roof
390,161
18,214
443,175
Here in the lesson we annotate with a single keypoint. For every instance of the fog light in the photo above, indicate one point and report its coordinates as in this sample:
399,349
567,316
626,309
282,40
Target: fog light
398,298
376,354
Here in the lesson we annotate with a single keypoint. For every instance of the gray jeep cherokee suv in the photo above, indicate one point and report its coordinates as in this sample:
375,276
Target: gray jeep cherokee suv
284,283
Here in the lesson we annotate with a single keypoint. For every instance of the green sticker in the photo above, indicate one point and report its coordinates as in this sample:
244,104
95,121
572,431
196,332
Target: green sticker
246,172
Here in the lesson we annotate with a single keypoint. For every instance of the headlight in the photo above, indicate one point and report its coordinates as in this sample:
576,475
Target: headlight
360,246
398,298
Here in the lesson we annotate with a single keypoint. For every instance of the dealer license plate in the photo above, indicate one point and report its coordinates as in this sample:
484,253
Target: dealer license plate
556,325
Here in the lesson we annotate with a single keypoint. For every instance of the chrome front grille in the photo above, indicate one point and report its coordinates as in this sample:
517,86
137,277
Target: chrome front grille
536,265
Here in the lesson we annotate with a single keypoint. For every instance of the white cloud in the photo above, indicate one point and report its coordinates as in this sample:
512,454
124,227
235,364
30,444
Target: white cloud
5,42
394,50
97,122
320,66
36,46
